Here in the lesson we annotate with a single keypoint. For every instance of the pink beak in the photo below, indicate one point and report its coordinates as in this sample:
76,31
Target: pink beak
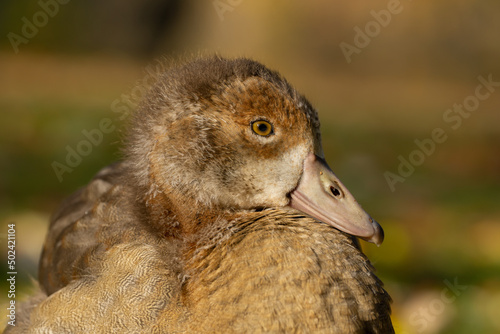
321,195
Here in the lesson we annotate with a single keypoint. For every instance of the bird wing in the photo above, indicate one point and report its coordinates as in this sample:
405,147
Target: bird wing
101,262
73,236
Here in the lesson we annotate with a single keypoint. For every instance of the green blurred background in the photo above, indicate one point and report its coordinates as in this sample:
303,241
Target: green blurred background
441,257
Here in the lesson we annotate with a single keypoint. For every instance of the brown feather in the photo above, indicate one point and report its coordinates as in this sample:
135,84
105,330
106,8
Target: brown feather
191,232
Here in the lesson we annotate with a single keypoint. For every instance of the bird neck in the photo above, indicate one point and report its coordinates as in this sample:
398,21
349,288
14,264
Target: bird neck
173,214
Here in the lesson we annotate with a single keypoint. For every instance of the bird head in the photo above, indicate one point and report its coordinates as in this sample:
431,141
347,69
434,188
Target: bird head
220,135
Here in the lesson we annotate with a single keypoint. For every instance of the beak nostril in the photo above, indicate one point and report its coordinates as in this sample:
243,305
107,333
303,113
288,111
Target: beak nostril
335,192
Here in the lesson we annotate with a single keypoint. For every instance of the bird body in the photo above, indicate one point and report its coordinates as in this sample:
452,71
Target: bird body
223,217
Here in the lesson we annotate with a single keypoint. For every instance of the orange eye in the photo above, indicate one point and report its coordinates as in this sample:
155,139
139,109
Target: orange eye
262,128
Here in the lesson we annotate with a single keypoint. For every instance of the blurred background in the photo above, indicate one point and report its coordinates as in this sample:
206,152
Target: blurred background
384,75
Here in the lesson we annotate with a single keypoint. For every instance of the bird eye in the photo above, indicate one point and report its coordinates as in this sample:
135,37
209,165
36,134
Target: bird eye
262,128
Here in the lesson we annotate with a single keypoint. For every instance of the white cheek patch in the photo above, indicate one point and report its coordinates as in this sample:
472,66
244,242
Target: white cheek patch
270,180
